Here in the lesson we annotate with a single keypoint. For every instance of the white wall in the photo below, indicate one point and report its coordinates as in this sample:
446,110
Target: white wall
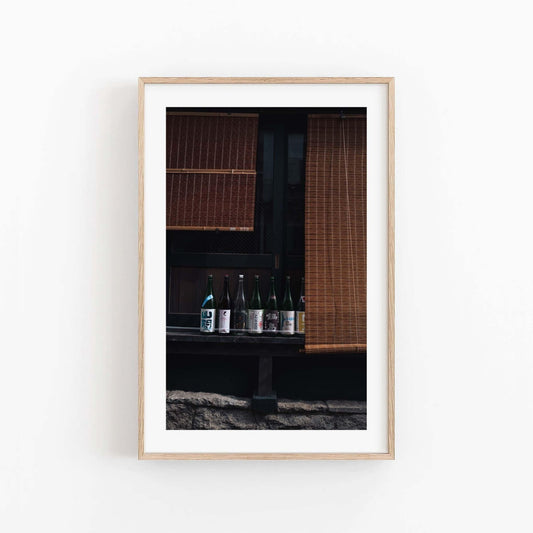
68,212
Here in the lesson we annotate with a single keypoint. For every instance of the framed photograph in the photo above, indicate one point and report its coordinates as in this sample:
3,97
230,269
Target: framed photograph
266,268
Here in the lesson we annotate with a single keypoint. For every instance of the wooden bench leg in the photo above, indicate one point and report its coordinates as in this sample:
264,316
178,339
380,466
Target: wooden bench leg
265,399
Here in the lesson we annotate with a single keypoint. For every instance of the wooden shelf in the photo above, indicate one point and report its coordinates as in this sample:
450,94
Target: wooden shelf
193,335
191,341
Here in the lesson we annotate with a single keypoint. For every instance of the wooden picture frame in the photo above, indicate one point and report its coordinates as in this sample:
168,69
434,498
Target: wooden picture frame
388,82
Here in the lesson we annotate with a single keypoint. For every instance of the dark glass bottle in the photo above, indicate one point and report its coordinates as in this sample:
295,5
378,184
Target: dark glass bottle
300,310
271,325
224,310
255,311
208,309
287,310
240,311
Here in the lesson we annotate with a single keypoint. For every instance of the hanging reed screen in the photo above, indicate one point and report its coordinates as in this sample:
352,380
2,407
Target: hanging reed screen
335,233
211,161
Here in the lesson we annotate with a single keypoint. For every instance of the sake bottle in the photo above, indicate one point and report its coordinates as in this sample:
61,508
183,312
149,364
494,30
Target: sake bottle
240,311
224,309
255,311
271,325
287,310
208,309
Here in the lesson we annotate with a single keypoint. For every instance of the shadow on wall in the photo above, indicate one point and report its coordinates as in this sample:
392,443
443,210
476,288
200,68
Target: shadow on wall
111,153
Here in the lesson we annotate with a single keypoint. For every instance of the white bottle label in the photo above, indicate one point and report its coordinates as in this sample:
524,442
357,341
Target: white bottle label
223,320
300,322
287,322
255,320
207,321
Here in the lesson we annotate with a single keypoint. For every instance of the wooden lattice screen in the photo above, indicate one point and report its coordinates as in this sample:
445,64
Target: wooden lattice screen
335,233
211,161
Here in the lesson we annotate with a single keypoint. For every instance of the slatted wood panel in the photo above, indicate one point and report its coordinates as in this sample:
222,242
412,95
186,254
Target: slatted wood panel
211,161
335,227
210,201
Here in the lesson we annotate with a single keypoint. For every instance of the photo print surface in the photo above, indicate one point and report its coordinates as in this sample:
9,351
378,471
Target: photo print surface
266,278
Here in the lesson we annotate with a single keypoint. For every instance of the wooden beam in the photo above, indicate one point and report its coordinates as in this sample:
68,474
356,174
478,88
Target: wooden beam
254,80
208,114
314,348
209,228
233,171
335,115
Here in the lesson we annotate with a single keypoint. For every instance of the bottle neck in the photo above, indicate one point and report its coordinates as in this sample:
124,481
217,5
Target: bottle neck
287,298
255,302
209,298
240,289
287,289
272,294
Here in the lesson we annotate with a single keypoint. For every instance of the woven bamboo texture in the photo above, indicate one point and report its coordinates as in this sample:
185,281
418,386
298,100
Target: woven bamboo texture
211,162
211,201
335,234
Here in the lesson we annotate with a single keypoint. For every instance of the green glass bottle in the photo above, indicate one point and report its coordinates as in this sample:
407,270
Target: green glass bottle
224,309
287,310
255,311
271,325
208,309
240,310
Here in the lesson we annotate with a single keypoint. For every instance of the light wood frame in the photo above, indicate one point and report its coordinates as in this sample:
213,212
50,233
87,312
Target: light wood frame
390,312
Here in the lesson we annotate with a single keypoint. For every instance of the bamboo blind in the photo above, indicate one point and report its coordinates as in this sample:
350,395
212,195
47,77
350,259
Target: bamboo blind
211,159
335,234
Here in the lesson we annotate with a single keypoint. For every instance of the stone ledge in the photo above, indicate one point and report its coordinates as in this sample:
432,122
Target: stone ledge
300,406
208,399
204,410
346,406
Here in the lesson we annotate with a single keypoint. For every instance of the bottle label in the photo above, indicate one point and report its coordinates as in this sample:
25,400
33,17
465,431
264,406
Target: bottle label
224,320
255,320
207,322
271,321
287,322
300,322
239,320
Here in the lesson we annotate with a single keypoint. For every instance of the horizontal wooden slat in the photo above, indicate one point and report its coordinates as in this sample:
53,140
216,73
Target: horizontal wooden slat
255,80
208,114
219,260
233,171
334,348
336,115
211,228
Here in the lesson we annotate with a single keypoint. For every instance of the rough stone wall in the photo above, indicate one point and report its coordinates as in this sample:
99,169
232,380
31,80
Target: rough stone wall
203,410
